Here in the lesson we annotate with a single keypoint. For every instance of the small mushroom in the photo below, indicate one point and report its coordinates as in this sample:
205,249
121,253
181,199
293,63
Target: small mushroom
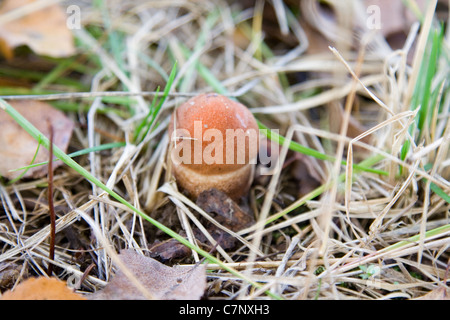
214,144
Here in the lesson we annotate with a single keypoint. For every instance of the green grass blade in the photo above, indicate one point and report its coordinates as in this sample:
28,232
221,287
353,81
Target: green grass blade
435,188
319,190
205,73
72,84
144,122
439,192
102,147
116,44
201,39
294,146
431,233
153,64
423,92
425,89
55,74
153,111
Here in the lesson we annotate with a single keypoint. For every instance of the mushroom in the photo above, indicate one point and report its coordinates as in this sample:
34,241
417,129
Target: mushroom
214,144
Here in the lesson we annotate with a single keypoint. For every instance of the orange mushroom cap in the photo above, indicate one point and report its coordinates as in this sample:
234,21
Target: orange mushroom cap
215,145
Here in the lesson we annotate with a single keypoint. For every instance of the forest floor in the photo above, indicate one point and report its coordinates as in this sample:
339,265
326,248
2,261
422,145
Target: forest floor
356,93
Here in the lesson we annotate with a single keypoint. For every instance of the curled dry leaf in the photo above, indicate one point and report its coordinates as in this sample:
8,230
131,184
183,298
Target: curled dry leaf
41,289
441,293
161,281
169,250
226,211
9,273
17,147
44,31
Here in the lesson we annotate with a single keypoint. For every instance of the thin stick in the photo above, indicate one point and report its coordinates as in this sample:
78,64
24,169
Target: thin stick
420,48
51,208
95,94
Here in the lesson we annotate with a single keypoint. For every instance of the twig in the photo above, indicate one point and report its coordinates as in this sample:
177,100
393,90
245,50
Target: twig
80,95
51,207
84,276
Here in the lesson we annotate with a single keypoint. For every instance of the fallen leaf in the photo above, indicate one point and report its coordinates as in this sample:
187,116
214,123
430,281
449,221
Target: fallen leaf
17,147
395,19
44,31
354,128
224,210
227,213
441,293
161,281
306,174
394,16
41,289
317,43
169,250
9,273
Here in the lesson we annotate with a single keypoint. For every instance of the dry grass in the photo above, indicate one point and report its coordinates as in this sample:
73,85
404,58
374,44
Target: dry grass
368,236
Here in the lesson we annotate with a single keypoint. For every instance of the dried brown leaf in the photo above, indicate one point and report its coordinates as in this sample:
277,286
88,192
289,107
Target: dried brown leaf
44,31
227,212
441,293
41,289
17,147
161,281
169,250
336,117
305,173
394,15
9,273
